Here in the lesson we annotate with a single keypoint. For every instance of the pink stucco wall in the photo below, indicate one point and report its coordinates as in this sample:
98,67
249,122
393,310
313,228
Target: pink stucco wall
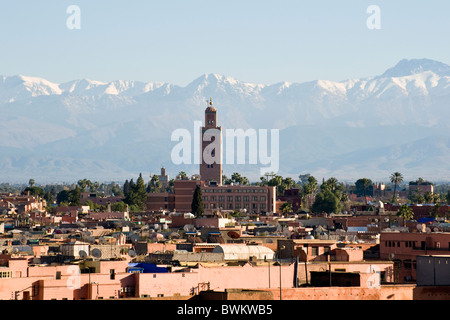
219,278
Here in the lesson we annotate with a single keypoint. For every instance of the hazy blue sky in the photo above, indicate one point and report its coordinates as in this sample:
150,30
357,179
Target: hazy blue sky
257,41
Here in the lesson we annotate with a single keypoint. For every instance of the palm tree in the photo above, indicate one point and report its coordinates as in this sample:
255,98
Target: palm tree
309,189
396,179
406,213
286,208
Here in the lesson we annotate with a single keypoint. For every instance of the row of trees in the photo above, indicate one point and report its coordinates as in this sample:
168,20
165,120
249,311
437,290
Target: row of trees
330,196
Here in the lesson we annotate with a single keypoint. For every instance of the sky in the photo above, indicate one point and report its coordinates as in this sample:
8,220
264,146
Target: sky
177,41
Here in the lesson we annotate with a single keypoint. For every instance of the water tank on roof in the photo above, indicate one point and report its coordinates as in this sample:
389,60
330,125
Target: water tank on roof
244,252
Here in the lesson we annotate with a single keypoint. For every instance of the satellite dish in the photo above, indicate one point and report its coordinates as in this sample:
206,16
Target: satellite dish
188,227
132,253
96,253
134,237
428,230
233,234
159,236
15,250
82,254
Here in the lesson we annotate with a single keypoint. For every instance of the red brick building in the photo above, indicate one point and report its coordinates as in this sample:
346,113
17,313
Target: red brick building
404,247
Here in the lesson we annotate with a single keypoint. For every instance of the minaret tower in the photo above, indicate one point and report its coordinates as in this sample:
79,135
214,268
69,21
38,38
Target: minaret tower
211,171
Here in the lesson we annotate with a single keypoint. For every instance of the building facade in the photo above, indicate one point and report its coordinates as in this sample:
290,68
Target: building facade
403,248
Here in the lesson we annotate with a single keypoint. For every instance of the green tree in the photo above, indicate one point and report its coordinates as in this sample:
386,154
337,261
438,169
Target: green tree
183,175
326,201
35,191
48,198
237,178
434,212
137,196
396,179
83,184
62,196
116,190
92,205
75,197
154,185
428,196
405,212
286,208
226,180
119,207
31,182
362,186
309,189
126,188
197,204
304,178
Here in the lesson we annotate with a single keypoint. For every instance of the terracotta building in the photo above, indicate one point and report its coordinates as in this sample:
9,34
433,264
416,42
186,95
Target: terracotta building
403,248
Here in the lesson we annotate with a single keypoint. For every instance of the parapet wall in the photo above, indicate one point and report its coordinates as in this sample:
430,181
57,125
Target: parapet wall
403,292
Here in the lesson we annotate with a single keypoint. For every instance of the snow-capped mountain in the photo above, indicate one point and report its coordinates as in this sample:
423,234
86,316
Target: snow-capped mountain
114,130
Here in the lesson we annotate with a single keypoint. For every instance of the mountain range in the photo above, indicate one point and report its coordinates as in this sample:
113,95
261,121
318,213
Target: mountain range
112,131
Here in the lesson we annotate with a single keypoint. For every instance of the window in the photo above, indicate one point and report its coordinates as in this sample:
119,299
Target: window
58,275
112,274
314,251
407,264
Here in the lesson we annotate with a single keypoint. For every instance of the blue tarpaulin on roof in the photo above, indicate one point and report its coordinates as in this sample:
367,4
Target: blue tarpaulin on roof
146,268
426,219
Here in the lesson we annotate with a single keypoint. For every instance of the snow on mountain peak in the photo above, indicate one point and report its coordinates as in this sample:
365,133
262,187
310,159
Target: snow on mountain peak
407,67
